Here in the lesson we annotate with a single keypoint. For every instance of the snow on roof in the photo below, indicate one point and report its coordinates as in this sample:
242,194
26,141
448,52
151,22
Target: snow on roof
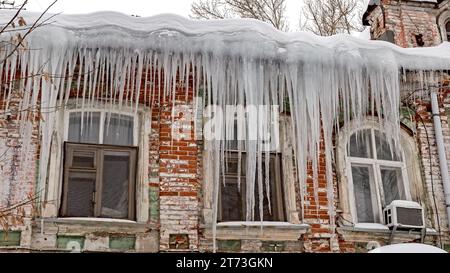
236,37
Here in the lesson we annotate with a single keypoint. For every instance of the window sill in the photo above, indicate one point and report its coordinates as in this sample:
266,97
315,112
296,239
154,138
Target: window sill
277,225
372,229
265,231
93,223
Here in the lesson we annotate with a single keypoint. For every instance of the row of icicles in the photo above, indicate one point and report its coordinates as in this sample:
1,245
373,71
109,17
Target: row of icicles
316,95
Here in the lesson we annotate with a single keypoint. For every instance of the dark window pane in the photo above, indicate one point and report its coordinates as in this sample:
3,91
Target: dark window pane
232,164
82,159
231,201
384,149
118,130
363,188
236,137
392,184
447,27
80,193
360,144
232,168
270,213
116,179
84,128
233,198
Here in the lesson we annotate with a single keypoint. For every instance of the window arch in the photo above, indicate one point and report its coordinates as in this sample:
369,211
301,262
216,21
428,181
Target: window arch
372,174
443,21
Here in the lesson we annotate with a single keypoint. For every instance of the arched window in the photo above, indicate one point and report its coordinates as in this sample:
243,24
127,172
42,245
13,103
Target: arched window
372,174
377,173
443,21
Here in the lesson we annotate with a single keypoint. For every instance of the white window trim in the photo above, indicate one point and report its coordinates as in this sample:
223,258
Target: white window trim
344,162
141,133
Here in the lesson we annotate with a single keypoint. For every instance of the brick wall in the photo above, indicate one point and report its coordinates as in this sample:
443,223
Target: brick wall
317,212
18,181
178,175
431,171
407,20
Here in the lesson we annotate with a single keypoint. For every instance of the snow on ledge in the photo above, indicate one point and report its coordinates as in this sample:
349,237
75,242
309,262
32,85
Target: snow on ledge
380,227
264,224
370,226
94,220
406,204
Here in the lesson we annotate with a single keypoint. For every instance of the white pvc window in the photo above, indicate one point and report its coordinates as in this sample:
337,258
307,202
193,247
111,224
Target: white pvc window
377,174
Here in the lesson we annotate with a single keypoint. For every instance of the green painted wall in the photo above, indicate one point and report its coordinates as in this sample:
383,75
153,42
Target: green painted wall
122,242
153,196
10,238
229,245
447,248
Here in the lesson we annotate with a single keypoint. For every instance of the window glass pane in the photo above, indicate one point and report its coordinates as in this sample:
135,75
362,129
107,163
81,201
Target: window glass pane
447,27
80,194
360,144
118,130
84,128
384,150
232,166
236,136
115,188
231,200
83,159
392,184
363,185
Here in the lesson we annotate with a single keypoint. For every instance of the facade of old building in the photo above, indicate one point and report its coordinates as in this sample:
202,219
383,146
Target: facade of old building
137,178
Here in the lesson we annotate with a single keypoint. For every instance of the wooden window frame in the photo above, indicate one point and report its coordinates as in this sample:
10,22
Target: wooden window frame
99,150
277,192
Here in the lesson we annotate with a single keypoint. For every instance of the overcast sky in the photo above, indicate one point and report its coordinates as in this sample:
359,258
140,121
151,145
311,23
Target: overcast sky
139,7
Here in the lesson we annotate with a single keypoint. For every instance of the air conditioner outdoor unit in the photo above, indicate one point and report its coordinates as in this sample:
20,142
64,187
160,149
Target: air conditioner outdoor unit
404,215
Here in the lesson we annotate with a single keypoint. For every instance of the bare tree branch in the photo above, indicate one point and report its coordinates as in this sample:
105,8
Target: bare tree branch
270,11
14,214
329,17
36,24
